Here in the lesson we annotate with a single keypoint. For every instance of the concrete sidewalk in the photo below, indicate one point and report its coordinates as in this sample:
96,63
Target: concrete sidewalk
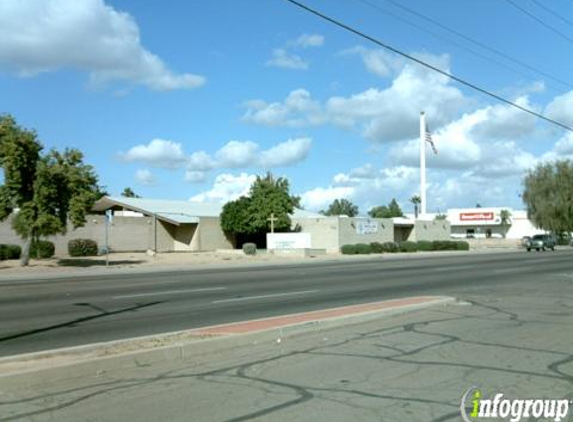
405,367
121,354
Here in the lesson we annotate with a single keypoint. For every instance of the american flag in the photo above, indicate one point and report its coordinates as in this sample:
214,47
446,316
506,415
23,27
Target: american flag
428,138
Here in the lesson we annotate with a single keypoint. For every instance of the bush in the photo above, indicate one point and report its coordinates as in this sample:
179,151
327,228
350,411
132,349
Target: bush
82,247
390,247
348,249
424,245
376,247
363,248
250,249
408,246
10,252
463,246
42,249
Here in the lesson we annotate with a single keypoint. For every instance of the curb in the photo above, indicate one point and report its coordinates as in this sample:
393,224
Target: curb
166,268
99,358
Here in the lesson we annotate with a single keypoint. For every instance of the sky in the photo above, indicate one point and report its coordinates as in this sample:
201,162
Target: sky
191,100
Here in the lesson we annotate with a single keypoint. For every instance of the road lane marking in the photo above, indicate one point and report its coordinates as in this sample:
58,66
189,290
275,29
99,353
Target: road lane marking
452,268
237,299
169,292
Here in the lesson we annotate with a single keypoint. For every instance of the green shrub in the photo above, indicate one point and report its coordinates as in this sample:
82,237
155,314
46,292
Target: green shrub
390,247
42,249
82,247
424,245
10,252
408,246
348,249
463,245
363,248
376,247
250,249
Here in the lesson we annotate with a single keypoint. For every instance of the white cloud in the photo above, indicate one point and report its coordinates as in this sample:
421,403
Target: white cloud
560,109
145,177
366,186
285,154
226,187
320,198
297,110
505,122
242,154
381,115
379,62
195,176
284,59
158,153
309,40
47,35
237,154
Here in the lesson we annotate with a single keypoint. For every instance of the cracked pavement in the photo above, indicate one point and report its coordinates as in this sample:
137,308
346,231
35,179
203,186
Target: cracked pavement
515,338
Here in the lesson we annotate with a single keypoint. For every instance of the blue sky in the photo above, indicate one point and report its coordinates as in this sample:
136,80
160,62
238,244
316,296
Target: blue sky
190,99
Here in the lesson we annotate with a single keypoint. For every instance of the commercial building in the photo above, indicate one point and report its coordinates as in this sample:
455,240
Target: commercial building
489,223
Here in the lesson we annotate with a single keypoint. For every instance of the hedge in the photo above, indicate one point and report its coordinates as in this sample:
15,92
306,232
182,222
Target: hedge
82,247
250,249
348,249
390,247
363,249
42,249
424,245
10,252
406,246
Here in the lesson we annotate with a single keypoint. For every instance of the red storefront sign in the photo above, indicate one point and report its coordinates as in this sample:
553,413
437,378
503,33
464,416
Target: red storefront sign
476,216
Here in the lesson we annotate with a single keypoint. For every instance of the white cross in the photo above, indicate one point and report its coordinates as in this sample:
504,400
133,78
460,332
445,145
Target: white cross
272,219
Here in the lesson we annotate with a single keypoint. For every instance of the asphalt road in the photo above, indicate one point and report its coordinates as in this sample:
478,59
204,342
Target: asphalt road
39,315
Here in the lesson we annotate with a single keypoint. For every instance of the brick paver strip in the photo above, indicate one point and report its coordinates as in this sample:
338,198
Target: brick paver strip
282,321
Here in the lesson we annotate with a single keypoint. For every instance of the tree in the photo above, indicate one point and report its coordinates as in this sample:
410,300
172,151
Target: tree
416,201
548,196
505,221
128,193
250,214
387,211
341,207
42,191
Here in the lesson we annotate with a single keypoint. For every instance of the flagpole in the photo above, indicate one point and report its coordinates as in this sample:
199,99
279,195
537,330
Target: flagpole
422,164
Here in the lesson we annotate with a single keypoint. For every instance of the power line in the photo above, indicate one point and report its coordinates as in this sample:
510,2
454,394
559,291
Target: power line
425,64
541,22
554,13
463,47
476,42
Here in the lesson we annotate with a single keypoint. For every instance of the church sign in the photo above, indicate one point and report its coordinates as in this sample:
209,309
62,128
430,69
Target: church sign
370,227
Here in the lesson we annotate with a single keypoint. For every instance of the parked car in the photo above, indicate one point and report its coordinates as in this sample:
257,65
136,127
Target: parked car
541,242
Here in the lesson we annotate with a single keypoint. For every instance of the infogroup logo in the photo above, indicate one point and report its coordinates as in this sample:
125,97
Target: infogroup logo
474,407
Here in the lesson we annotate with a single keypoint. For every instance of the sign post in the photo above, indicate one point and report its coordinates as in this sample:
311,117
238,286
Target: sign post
108,220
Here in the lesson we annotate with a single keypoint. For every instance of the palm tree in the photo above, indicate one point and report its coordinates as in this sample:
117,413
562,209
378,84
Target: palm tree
505,221
416,201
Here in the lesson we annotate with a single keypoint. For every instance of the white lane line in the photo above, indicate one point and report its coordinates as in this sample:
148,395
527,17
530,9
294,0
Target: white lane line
237,299
459,267
169,292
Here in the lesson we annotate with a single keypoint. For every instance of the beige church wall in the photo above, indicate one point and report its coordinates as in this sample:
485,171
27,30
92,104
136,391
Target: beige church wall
323,232
211,236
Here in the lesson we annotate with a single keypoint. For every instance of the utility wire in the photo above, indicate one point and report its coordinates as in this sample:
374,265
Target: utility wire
554,13
541,22
475,42
425,64
463,47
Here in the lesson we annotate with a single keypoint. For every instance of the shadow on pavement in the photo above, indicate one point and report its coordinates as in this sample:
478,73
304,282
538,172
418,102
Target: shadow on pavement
71,262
